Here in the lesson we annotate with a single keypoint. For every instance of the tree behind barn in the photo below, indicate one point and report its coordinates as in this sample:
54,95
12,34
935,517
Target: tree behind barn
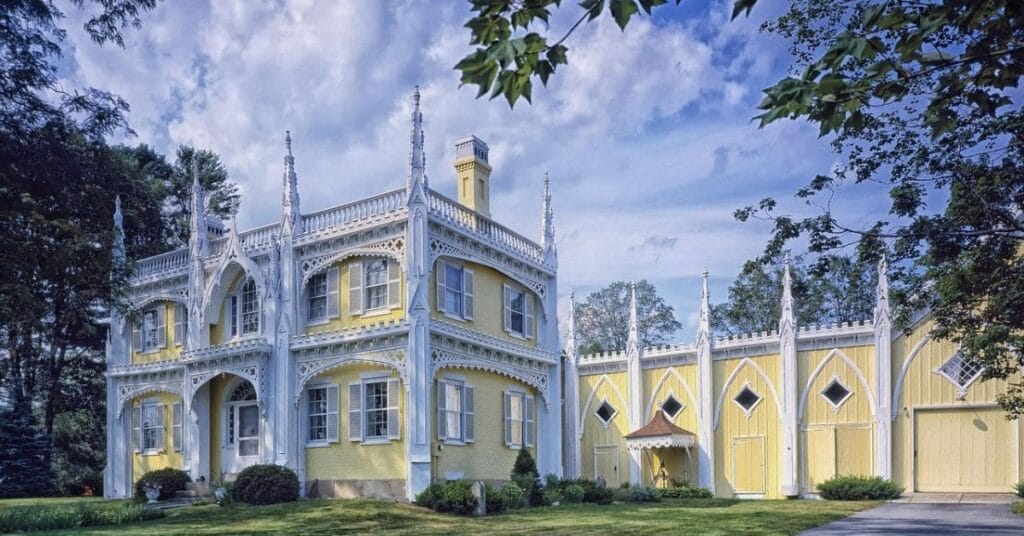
602,318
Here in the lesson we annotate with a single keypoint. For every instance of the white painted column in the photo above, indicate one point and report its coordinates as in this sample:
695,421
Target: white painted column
705,385
635,380
549,415
883,375
789,479
571,439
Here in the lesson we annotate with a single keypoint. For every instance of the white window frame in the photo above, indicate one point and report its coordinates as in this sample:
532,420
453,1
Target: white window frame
672,395
177,428
836,405
464,412
180,324
157,406
313,294
959,380
466,298
524,421
600,419
747,411
330,415
149,331
256,309
358,411
385,299
509,294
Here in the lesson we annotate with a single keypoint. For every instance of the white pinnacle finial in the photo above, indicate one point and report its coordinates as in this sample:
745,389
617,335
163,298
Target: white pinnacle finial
119,255
417,160
882,312
633,341
787,319
704,323
290,215
570,338
197,220
548,239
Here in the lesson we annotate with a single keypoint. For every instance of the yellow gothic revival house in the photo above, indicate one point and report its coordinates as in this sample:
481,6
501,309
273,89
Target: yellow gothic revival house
770,415
370,347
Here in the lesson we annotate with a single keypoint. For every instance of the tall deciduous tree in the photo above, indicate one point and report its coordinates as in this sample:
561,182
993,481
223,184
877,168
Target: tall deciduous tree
602,318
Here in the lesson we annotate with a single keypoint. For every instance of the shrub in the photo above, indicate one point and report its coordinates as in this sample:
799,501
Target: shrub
524,474
1019,488
71,516
1017,508
858,488
507,497
169,479
551,480
552,496
431,495
598,495
572,493
685,490
265,484
451,497
644,494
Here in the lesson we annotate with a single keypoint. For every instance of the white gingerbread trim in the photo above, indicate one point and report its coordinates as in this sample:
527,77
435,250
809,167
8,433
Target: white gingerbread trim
308,369
442,357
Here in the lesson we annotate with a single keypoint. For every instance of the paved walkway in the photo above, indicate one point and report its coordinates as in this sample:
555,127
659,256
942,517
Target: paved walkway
928,518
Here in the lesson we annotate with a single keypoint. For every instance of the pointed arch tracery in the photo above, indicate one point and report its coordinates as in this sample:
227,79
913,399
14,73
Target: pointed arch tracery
746,362
834,354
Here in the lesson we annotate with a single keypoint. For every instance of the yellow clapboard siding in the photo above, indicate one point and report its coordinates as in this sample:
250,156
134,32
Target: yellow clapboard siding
489,313
144,463
965,450
603,448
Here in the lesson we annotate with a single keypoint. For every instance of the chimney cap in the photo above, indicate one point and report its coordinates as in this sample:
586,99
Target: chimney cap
471,146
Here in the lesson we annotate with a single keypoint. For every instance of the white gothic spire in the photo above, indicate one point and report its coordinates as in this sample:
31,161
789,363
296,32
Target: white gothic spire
882,312
547,241
290,215
633,340
787,319
570,338
417,161
704,324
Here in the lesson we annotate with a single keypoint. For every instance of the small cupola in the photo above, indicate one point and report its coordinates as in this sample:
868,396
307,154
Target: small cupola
473,174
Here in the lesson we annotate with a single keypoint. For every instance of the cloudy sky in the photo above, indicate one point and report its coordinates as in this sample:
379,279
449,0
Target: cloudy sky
646,133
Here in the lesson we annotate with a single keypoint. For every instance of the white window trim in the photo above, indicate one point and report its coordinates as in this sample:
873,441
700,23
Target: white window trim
383,309
961,388
526,316
459,382
180,426
142,328
836,406
441,301
374,377
142,447
514,390
682,405
603,422
326,442
326,319
747,412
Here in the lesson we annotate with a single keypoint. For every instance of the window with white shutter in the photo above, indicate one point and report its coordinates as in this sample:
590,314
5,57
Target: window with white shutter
441,289
375,281
161,326
151,330
394,284
451,406
152,427
355,287
137,343
518,312
355,411
518,419
469,413
137,428
468,305
176,425
333,281
316,298
333,396
322,414
528,421
180,324
394,420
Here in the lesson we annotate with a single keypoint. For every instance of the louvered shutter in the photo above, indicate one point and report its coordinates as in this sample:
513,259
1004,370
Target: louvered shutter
394,419
508,418
332,292
137,428
394,284
442,416
468,301
355,411
160,410
528,317
441,278
507,303
355,287
179,324
332,413
161,326
528,421
469,410
176,427
137,336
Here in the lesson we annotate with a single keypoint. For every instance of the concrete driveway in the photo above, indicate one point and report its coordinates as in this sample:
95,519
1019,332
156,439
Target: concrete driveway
927,518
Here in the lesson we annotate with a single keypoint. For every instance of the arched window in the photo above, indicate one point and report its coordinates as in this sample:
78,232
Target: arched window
250,308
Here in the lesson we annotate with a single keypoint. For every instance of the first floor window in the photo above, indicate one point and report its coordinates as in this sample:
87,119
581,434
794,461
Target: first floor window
455,419
373,410
518,409
322,414
152,426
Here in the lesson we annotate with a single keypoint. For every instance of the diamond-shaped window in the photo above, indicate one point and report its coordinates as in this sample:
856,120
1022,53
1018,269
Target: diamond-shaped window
747,398
960,371
836,393
605,412
671,407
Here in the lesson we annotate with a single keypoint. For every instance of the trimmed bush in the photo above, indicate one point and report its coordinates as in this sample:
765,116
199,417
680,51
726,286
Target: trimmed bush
598,495
526,476
265,484
1017,508
685,490
170,480
431,495
572,493
72,516
451,497
644,494
507,497
552,496
858,488
1019,488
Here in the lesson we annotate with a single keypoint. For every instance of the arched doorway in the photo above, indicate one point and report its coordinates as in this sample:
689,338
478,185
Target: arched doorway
241,428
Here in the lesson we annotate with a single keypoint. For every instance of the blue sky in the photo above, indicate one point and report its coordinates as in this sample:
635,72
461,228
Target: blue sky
646,133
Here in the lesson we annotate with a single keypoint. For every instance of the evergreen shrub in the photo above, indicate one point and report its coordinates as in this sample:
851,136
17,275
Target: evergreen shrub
858,488
265,484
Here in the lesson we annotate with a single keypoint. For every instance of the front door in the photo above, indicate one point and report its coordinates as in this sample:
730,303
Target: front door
242,416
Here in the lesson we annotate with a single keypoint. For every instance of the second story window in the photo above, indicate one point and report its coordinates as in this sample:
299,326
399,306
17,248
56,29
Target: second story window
454,290
250,308
150,330
374,286
317,306
519,317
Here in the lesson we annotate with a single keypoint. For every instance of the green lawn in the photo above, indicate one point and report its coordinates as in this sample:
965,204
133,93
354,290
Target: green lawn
692,516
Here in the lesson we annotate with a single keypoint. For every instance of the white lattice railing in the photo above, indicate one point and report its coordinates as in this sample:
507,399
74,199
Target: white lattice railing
465,218
341,215
162,263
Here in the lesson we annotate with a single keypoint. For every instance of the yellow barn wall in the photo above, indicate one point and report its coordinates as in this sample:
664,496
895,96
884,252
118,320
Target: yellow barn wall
347,320
352,460
596,434
659,383
836,442
171,351
487,458
489,314
144,463
922,388
733,423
